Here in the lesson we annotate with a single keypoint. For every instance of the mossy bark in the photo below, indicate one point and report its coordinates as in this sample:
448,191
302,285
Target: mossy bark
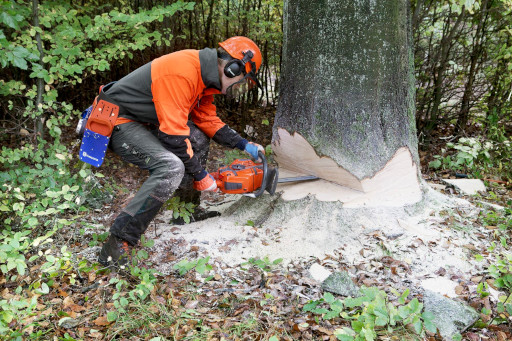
347,82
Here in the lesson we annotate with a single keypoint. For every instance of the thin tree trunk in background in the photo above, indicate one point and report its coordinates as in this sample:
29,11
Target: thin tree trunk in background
498,93
443,58
227,19
476,52
207,34
39,126
245,22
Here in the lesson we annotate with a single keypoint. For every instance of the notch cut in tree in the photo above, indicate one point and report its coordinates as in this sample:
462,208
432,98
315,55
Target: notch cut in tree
346,106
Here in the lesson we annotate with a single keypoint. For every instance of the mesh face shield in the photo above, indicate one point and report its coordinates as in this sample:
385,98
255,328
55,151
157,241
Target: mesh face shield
242,86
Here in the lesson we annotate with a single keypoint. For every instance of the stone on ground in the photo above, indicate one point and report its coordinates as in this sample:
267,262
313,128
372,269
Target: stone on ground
450,317
318,272
340,283
467,186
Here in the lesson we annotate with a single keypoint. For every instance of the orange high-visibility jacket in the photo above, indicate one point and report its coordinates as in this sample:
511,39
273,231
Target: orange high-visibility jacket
168,92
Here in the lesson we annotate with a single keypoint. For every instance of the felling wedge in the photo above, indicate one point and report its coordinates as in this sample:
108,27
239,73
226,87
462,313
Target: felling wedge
396,184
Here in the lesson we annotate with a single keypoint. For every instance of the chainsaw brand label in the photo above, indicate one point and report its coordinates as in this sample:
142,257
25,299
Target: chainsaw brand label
84,154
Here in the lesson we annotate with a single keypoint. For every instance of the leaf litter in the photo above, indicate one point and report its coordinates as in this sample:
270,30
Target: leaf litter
241,300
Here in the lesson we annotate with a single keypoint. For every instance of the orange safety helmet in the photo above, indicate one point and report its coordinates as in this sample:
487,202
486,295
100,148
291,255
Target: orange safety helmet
237,47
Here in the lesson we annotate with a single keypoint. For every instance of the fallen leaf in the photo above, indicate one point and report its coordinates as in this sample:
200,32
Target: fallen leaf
502,336
470,247
102,321
191,304
459,289
96,334
476,279
69,304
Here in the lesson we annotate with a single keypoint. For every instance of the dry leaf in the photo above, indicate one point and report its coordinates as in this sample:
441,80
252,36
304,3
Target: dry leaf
102,321
476,279
96,334
69,304
502,336
191,304
470,247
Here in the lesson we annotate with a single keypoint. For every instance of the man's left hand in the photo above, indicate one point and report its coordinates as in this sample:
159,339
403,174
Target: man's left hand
253,149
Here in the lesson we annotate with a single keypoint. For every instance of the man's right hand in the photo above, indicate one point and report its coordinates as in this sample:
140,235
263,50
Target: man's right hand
208,184
253,148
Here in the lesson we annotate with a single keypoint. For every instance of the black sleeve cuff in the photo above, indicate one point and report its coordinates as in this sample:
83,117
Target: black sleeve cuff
241,145
227,137
200,175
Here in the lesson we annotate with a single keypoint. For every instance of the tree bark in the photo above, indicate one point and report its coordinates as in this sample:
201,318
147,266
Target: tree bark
39,126
347,90
476,53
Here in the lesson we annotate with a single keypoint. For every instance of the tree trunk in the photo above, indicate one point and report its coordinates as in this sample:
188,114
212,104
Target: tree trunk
39,123
476,53
207,33
346,108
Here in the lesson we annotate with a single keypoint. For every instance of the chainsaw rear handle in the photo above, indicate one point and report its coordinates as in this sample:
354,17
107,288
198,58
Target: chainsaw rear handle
265,178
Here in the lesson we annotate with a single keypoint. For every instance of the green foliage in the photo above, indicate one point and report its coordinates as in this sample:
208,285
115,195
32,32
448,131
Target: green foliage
371,313
500,268
468,78
231,155
264,264
200,265
76,42
477,156
180,208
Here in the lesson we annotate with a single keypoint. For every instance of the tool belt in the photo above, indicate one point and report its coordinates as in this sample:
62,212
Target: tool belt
96,125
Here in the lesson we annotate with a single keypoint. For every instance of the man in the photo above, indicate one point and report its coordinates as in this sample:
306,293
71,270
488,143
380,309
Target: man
175,92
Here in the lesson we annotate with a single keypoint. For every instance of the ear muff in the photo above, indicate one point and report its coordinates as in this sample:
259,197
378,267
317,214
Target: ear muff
233,68
236,66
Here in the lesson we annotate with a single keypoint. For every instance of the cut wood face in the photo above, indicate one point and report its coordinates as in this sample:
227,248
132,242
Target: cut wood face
396,184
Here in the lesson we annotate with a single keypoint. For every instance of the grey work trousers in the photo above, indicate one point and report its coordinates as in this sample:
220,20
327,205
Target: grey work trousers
136,144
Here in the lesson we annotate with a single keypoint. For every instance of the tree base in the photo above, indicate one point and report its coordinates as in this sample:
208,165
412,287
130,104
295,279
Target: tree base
394,185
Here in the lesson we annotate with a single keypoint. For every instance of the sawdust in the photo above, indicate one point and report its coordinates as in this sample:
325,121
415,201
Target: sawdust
308,229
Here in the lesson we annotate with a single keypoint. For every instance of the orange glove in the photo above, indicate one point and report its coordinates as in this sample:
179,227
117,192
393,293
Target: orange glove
208,184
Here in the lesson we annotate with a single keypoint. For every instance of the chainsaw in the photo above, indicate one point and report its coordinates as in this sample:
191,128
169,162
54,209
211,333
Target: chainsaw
252,179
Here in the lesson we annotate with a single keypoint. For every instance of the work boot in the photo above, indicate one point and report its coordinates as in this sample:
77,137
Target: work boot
115,251
198,215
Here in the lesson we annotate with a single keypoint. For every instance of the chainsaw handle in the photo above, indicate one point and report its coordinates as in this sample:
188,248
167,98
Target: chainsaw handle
265,177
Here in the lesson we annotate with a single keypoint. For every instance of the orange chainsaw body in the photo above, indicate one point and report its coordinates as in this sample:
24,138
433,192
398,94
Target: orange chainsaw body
241,176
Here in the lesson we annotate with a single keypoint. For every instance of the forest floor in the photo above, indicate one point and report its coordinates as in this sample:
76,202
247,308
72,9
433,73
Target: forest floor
227,278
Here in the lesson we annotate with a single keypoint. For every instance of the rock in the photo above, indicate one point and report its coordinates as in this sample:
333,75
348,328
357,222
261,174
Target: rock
450,317
491,205
68,322
318,272
467,186
439,187
340,283
440,285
